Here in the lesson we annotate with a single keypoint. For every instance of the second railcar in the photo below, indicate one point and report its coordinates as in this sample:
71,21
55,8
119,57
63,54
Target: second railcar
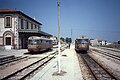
37,44
82,44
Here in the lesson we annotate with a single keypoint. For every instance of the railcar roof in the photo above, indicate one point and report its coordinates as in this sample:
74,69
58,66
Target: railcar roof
37,38
82,37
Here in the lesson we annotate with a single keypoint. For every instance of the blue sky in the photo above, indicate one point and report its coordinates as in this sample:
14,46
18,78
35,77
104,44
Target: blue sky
92,18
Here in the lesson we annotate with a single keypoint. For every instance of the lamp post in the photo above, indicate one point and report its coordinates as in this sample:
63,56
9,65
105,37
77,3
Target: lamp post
59,55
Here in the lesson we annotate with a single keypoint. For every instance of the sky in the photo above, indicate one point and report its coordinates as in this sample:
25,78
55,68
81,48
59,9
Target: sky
91,18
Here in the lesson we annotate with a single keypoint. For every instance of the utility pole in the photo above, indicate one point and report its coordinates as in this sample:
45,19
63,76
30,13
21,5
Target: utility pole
59,55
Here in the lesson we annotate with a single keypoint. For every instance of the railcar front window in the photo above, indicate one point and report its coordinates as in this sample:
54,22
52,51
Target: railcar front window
83,41
33,41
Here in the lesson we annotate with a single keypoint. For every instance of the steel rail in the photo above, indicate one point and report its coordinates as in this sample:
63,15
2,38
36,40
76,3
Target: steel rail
35,69
12,60
85,65
110,49
89,67
95,67
22,77
107,54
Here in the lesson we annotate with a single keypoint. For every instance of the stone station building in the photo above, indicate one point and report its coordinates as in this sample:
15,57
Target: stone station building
16,27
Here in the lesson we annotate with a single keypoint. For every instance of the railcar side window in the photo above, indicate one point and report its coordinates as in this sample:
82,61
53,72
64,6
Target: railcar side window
50,41
33,41
40,41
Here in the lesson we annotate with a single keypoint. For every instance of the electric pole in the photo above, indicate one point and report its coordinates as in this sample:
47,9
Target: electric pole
59,55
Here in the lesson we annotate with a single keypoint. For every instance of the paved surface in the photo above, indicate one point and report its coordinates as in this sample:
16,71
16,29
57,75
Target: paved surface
13,52
69,66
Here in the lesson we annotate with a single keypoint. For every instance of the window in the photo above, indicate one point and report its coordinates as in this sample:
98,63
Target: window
83,41
8,21
31,26
26,24
8,40
32,42
22,27
38,27
35,27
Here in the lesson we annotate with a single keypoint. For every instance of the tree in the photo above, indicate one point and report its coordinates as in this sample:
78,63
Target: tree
62,39
68,40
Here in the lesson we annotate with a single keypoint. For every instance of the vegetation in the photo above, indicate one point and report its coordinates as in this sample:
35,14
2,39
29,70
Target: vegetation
67,40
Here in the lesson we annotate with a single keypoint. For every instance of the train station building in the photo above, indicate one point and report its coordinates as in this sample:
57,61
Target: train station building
16,27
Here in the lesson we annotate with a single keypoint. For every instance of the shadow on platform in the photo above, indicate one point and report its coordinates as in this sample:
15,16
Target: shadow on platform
62,73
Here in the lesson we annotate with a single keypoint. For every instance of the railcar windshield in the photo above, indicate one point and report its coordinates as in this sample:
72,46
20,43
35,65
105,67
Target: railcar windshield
33,42
83,41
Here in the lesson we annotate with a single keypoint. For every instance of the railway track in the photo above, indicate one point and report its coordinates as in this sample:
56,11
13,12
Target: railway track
4,58
110,49
96,70
87,75
12,61
28,70
117,57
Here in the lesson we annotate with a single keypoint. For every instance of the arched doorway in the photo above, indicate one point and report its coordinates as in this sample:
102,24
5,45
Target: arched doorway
8,40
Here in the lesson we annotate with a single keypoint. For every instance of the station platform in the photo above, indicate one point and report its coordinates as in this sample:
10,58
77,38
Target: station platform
70,69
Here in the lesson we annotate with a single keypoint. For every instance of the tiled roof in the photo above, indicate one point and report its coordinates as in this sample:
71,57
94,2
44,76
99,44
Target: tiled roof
17,11
8,10
82,37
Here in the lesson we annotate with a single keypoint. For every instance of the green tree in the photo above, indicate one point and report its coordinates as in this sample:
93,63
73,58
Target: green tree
68,40
62,39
